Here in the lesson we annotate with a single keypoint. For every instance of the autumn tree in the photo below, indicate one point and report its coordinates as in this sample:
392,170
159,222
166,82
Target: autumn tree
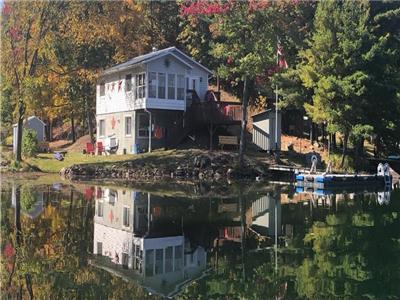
26,26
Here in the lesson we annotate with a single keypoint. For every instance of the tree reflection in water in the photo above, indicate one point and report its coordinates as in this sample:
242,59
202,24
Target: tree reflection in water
338,246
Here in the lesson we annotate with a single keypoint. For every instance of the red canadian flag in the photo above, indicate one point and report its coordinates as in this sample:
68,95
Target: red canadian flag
281,57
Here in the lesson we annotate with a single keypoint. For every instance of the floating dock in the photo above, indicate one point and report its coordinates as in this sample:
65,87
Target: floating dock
327,180
321,181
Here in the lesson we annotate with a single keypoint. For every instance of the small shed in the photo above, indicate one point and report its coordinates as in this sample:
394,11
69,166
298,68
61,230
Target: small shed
33,123
264,134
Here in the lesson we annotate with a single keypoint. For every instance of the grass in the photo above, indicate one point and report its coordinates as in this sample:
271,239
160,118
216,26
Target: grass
46,162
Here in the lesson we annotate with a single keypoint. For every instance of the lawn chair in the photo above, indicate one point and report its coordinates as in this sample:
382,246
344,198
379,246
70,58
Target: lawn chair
89,148
100,148
58,156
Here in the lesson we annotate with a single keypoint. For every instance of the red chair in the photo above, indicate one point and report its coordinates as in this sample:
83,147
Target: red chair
100,148
89,148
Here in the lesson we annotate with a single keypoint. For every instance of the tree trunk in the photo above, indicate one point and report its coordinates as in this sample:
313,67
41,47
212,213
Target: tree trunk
334,146
89,121
73,128
344,152
18,154
245,101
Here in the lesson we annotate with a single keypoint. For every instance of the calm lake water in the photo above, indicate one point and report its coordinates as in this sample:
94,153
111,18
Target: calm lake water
197,241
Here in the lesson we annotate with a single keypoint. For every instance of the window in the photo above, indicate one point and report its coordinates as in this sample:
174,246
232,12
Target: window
161,85
102,89
143,125
125,216
171,86
99,248
178,258
140,86
125,260
152,85
102,127
180,87
149,262
159,261
128,82
100,208
168,259
128,125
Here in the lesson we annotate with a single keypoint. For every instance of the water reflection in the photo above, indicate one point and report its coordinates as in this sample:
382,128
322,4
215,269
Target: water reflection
88,241
135,238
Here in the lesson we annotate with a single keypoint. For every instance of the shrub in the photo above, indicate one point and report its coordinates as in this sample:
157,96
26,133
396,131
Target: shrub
29,143
27,198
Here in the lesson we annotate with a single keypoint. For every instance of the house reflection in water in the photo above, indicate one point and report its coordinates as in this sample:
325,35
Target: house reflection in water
133,239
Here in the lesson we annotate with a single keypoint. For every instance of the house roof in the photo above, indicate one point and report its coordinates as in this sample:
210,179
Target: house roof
178,54
264,112
30,118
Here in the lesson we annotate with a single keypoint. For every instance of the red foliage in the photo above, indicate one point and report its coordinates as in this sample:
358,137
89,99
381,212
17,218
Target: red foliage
15,33
200,7
254,5
8,251
6,9
229,61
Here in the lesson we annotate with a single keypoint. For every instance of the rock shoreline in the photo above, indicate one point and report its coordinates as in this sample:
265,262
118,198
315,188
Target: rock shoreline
199,167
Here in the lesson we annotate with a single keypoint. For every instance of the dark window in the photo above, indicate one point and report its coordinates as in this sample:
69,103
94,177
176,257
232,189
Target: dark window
128,125
171,86
152,85
128,82
125,216
161,85
102,89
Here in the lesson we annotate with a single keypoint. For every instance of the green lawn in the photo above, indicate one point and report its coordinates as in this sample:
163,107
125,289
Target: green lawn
47,163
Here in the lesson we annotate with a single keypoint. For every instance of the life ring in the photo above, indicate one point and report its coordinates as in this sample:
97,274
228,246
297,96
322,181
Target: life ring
158,132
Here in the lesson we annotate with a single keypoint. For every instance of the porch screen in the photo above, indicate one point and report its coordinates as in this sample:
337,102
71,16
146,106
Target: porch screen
171,86
152,85
180,87
143,125
161,85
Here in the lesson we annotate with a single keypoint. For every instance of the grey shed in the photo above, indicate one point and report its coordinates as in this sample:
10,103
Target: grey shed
264,130
33,123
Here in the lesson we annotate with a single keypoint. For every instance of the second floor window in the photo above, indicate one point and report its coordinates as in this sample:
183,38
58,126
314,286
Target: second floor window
102,89
140,86
180,87
161,85
171,86
128,83
152,85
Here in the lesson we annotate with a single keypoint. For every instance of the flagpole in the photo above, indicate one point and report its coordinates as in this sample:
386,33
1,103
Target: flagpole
276,100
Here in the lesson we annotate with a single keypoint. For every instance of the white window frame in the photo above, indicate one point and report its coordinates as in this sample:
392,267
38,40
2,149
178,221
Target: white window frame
104,131
165,85
126,83
139,115
174,86
128,216
138,85
125,127
155,84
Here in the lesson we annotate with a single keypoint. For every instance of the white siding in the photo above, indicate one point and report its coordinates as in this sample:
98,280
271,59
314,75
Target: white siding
115,99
